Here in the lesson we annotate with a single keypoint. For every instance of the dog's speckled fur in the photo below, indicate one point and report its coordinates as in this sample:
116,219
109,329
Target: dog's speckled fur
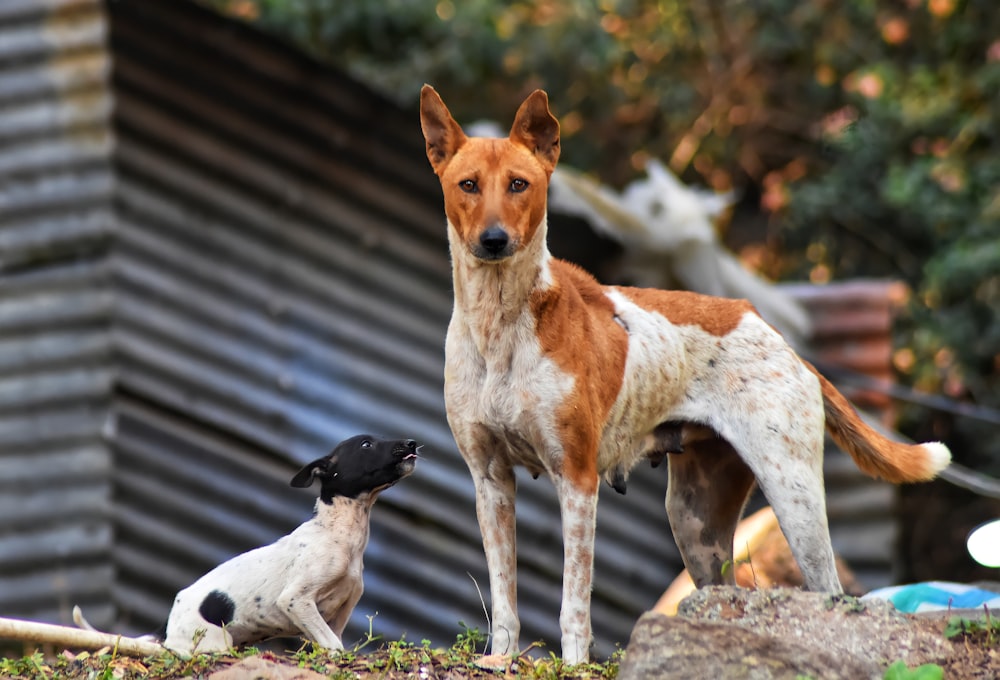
548,369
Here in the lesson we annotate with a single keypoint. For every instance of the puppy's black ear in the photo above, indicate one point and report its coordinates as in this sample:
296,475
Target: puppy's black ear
321,467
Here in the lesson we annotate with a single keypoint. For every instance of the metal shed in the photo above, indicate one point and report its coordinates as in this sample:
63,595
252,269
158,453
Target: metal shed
218,257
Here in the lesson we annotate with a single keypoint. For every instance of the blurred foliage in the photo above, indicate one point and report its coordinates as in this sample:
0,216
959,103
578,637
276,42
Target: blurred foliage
864,131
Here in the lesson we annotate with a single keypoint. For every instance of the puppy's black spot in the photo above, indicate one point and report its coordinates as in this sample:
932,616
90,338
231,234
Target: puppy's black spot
217,608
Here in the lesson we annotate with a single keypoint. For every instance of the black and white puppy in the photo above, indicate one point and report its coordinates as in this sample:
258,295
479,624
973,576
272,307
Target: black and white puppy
307,582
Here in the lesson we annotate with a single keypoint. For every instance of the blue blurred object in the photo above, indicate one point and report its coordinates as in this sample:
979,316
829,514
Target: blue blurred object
935,596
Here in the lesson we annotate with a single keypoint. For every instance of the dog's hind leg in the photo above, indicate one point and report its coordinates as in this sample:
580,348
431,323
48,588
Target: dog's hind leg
707,490
794,488
784,449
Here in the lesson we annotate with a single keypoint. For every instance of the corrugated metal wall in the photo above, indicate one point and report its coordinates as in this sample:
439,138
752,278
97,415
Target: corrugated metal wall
244,265
283,282
55,368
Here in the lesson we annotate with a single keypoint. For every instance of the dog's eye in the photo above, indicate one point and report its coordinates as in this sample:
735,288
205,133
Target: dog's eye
469,186
366,444
518,185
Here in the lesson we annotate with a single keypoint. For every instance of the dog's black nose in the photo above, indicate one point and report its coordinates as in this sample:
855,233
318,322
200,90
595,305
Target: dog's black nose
410,444
494,240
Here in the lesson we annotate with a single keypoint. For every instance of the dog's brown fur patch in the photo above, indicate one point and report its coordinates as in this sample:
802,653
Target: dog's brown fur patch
716,316
575,325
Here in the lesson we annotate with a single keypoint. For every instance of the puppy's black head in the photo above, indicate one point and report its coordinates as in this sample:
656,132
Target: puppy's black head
360,465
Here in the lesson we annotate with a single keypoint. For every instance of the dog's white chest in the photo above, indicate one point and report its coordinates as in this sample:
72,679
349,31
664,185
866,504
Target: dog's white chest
332,598
511,395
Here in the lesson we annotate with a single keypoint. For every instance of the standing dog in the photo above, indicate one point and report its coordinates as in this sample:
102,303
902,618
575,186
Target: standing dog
307,582
547,369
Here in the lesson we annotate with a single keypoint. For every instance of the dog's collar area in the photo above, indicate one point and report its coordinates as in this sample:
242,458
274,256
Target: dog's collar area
364,498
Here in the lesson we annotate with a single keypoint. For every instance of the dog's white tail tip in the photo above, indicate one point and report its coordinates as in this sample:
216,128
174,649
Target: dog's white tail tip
80,621
938,456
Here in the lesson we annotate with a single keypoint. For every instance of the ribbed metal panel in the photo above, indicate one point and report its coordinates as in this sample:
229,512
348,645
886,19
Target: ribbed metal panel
55,346
283,281
250,268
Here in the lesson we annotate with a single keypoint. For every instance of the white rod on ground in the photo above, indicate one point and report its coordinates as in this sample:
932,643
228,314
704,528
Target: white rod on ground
75,638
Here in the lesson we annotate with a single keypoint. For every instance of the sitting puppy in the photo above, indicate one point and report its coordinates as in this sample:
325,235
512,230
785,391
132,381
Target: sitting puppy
307,582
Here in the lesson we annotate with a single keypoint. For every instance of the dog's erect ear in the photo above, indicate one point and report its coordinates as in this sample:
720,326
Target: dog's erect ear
321,467
536,128
443,135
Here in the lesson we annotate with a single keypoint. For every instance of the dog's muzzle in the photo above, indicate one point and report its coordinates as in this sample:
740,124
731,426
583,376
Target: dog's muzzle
407,449
494,244
408,453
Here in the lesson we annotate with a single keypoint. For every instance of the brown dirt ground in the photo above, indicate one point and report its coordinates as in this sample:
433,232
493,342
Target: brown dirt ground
973,656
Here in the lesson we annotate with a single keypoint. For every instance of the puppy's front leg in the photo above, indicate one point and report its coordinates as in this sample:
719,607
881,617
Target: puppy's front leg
495,488
301,609
343,615
578,505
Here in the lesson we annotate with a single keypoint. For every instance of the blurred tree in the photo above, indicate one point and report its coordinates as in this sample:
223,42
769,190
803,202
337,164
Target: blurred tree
908,186
864,131
705,85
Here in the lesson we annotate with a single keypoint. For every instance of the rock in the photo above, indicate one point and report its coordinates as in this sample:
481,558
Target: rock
735,633
671,647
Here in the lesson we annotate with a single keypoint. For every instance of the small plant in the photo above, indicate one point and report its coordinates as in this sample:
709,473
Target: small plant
554,667
986,631
730,565
315,658
33,665
900,671
425,649
400,653
848,603
370,636
470,639
390,659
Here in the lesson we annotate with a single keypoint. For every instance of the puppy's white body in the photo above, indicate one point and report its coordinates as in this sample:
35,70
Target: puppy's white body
307,582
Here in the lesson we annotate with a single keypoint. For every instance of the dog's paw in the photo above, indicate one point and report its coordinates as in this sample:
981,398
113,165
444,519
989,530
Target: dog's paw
494,662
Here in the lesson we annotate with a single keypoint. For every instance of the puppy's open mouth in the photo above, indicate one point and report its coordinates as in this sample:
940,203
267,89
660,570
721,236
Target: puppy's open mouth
411,455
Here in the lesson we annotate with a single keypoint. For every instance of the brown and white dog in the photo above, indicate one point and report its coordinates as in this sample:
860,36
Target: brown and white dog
547,369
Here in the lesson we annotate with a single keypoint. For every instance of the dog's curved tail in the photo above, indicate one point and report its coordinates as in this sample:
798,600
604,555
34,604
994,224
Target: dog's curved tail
80,621
873,453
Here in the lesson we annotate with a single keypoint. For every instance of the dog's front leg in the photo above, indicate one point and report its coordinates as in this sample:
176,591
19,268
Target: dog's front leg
578,505
300,607
495,488
339,620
